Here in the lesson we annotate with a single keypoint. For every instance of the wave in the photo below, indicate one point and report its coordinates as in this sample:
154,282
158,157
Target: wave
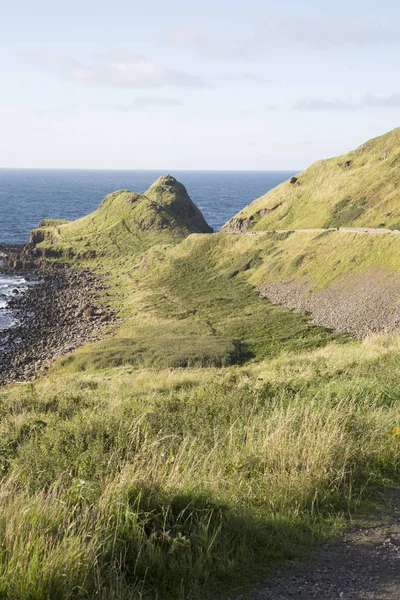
8,287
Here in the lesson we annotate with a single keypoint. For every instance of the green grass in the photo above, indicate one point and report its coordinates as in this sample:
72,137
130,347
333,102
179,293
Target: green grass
346,212
210,436
372,174
182,483
319,258
125,224
185,306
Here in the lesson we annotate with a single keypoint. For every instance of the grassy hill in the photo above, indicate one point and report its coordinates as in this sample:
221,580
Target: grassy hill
358,189
125,223
209,438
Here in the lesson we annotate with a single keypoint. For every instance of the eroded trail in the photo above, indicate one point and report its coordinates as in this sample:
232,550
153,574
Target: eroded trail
364,230
363,564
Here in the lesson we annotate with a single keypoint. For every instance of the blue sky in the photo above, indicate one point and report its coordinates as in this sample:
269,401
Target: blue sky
194,85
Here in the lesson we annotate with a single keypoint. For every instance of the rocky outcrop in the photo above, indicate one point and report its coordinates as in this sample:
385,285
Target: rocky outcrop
7,249
40,235
243,225
32,257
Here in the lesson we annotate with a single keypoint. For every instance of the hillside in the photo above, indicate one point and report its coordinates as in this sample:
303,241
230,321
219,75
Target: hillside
358,189
211,435
124,223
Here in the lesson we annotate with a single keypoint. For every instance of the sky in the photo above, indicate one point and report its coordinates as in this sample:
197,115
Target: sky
188,84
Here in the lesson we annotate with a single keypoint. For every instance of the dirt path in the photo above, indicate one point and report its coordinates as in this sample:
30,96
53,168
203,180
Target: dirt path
365,230
363,564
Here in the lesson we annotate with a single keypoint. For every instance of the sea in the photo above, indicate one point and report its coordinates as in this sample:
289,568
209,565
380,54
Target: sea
29,195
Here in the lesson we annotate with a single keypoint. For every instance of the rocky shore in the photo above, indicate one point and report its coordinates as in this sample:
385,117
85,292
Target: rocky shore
7,250
54,317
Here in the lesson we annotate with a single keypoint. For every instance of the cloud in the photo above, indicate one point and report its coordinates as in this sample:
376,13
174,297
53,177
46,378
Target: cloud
125,72
213,47
317,104
368,101
241,76
322,32
148,103
392,101
333,31
58,111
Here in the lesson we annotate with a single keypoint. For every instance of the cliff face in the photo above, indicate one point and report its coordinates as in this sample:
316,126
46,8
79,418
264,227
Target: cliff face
358,189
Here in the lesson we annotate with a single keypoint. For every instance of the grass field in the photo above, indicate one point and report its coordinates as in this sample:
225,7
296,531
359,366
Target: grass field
172,483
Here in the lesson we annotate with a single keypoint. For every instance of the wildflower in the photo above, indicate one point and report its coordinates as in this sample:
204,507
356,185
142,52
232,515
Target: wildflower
396,431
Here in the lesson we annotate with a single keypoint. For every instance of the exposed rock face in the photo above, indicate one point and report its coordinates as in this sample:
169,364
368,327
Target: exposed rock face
172,195
7,249
40,235
243,225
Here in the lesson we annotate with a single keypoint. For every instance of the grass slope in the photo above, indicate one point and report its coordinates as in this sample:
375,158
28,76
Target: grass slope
182,483
182,307
211,436
361,188
320,258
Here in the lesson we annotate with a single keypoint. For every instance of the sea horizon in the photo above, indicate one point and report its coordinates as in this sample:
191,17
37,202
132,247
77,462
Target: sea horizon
28,195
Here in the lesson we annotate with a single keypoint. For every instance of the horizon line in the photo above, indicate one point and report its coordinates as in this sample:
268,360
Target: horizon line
147,170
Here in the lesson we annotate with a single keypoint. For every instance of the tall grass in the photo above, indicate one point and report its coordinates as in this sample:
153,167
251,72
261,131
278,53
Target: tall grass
161,485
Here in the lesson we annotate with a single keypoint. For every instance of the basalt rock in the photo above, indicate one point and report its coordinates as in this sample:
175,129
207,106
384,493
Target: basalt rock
53,317
239,225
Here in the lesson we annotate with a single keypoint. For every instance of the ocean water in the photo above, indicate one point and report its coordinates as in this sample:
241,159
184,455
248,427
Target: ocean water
28,195
9,287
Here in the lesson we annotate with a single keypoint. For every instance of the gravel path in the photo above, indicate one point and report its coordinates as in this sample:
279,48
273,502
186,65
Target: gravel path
363,564
365,230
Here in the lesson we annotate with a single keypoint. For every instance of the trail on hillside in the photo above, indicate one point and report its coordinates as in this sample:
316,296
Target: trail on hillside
363,564
365,230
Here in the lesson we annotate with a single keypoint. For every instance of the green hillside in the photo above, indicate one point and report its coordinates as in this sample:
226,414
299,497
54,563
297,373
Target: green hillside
211,435
358,189
124,223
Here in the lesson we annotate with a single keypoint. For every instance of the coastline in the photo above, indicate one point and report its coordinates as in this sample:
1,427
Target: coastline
54,317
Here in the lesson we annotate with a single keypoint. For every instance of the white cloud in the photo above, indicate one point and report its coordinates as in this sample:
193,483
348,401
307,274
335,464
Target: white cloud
368,101
148,103
322,32
213,47
318,104
392,101
125,72
334,31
